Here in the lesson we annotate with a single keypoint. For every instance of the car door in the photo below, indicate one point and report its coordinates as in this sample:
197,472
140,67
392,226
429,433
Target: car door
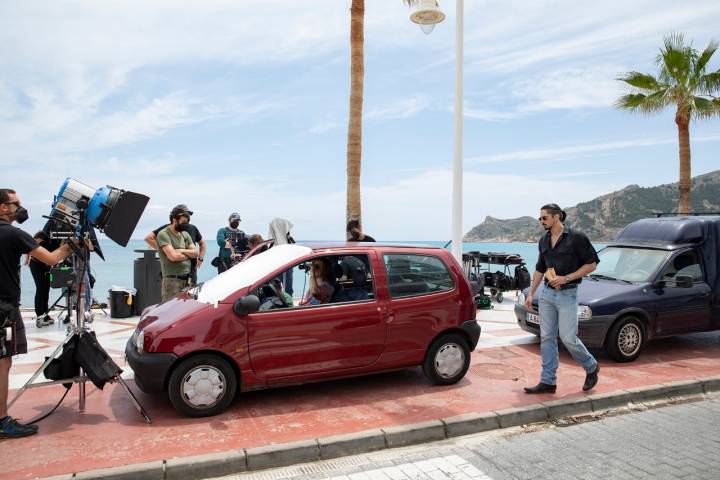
287,343
682,309
419,286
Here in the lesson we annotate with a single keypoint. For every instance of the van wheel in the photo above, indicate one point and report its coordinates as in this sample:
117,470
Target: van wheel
626,339
202,386
447,360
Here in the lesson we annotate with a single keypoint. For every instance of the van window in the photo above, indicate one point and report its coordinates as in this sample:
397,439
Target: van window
416,275
683,264
629,264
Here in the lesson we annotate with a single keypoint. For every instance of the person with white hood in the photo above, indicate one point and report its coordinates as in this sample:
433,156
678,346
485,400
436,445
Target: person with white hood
280,233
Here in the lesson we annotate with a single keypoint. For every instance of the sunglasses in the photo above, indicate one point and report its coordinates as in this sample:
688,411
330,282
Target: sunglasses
543,218
16,203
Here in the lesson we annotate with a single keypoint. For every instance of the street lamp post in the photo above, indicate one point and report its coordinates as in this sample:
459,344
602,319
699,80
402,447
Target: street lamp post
428,13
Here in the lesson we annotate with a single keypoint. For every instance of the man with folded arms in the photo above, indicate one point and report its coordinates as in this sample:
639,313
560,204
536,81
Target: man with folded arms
176,248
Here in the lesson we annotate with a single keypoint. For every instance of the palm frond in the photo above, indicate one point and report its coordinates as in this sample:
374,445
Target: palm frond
643,81
705,57
640,103
705,108
710,83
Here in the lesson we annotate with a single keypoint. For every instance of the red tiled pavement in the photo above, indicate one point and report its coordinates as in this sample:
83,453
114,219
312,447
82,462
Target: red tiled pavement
111,433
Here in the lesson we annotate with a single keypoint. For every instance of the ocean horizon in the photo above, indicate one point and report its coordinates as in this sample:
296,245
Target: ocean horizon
117,269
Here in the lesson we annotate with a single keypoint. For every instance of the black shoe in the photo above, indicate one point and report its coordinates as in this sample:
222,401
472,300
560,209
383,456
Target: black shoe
541,388
10,428
591,379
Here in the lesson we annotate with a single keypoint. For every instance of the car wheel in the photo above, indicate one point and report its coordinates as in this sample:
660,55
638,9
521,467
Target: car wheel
626,339
447,360
202,386
499,297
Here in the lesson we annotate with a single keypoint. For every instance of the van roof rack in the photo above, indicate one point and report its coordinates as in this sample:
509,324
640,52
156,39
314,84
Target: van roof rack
675,214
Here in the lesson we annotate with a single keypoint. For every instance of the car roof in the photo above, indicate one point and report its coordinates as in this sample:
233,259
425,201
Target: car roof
320,246
666,233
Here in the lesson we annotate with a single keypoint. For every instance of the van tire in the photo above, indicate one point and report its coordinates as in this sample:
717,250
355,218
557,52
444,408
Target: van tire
212,375
626,339
447,359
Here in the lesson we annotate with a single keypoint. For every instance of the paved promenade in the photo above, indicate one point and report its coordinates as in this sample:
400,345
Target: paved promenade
110,433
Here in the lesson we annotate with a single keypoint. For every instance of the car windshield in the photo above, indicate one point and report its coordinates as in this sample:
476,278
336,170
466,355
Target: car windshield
248,272
628,264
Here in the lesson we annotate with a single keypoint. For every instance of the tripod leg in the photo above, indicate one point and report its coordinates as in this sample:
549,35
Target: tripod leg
41,369
135,401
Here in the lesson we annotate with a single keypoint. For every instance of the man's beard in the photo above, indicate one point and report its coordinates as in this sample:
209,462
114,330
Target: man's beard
547,227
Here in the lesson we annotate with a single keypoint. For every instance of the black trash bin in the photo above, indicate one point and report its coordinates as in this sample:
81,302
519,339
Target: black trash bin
121,302
148,280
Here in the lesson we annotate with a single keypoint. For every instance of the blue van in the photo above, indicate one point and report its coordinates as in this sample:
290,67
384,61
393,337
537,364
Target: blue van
659,277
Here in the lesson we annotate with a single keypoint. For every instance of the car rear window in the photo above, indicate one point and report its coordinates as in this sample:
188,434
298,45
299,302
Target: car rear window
410,274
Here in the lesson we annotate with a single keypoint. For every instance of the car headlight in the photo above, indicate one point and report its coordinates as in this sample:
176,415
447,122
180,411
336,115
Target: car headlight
139,341
521,298
584,312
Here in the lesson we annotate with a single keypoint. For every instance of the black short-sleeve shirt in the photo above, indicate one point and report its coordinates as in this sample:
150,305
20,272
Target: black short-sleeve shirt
192,230
14,243
572,251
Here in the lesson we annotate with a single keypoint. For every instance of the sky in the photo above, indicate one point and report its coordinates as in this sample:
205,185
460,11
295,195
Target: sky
241,106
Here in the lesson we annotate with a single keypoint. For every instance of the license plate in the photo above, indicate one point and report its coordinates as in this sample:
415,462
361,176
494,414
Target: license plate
533,319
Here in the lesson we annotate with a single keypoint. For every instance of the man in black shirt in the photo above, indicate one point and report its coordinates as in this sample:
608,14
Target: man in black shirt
565,257
195,264
355,233
14,243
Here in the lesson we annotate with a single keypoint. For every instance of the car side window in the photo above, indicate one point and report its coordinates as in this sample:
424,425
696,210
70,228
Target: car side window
338,279
410,275
685,264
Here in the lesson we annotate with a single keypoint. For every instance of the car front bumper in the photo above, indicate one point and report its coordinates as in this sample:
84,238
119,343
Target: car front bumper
150,368
591,332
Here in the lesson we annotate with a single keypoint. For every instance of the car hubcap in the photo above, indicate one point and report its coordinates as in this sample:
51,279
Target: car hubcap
203,386
629,339
449,360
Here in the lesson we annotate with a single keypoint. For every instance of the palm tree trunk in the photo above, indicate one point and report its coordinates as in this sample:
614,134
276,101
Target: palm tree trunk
354,142
685,184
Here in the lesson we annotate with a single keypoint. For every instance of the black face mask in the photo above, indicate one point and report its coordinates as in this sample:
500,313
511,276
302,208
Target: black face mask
182,227
234,224
21,214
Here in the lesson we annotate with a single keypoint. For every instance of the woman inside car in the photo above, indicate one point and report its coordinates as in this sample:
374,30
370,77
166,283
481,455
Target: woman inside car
322,283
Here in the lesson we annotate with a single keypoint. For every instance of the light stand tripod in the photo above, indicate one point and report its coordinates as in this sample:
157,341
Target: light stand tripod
76,331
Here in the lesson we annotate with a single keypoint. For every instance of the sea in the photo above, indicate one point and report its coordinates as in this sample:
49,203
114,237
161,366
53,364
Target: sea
116,271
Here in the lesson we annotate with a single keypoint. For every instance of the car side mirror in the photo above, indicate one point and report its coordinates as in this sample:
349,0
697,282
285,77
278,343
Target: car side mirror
684,281
659,284
246,305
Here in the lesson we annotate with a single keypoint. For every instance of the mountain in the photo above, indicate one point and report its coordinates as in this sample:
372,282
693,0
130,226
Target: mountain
602,218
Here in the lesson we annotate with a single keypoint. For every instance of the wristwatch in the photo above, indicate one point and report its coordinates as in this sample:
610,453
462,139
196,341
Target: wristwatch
200,258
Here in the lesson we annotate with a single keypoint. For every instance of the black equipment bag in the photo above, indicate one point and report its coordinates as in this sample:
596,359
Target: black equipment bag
522,277
93,358
65,365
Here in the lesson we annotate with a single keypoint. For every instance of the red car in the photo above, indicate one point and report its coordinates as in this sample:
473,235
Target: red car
388,307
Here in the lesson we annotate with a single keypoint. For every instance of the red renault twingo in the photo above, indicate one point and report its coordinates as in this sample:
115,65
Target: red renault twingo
384,307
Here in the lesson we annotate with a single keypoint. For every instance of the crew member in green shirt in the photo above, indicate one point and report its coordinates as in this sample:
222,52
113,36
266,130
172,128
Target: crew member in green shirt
175,248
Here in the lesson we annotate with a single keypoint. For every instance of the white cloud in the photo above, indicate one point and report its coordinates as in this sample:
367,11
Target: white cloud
575,151
399,109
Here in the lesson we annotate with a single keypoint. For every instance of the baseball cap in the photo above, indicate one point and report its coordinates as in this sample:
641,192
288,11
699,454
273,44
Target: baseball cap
234,216
181,209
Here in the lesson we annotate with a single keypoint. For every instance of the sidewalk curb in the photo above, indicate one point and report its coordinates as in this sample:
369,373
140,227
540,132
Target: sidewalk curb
271,456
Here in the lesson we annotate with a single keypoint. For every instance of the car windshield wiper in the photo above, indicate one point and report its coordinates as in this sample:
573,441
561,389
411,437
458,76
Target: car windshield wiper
608,277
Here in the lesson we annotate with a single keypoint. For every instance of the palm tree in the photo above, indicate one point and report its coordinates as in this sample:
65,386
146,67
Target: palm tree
353,208
681,82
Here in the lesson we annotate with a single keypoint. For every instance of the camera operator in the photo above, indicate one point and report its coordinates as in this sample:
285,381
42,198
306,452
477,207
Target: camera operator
14,243
175,248
195,263
233,243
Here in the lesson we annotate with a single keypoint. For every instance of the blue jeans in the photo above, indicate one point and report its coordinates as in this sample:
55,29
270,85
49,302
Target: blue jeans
558,316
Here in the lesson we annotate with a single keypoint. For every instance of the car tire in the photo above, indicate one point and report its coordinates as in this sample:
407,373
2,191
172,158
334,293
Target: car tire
447,360
202,386
499,297
626,339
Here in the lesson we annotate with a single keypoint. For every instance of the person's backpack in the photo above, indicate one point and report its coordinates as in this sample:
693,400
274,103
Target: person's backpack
522,277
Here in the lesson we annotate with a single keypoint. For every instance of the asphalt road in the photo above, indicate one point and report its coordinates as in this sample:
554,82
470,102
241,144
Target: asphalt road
670,442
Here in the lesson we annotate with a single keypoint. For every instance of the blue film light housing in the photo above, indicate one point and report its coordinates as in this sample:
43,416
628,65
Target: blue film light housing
113,211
